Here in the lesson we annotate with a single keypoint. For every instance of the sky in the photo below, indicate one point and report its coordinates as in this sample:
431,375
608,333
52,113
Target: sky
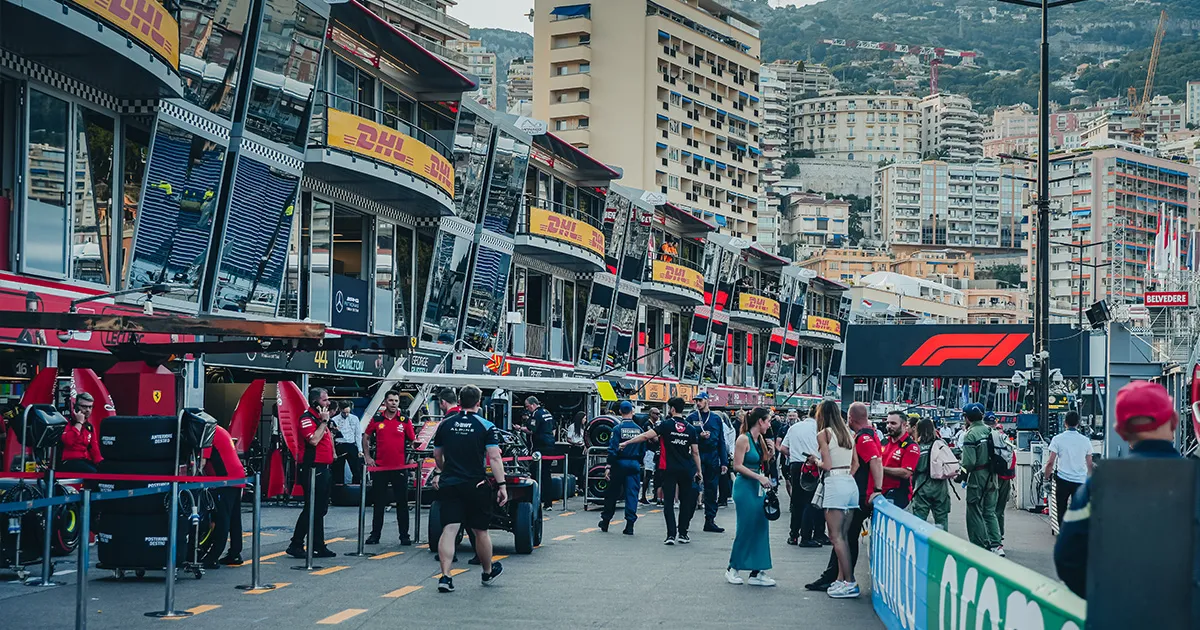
510,14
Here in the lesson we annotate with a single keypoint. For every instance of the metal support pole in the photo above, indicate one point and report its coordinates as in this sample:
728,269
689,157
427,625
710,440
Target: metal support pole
567,474
46,534
417,510
256,541
362,516
310,505
168,610
81,571
1042,326
538,460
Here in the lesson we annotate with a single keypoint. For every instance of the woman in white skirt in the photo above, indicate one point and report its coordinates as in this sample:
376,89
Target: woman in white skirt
840,496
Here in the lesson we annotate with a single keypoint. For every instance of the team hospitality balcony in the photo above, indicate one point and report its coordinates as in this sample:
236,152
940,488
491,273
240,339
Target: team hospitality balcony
676,272
755,301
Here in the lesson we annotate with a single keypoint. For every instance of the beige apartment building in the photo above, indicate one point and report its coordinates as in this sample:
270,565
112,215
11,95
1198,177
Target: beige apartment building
849,265
482,64
519,87
810,221
426,22
668,90
951,129
996,305
864,128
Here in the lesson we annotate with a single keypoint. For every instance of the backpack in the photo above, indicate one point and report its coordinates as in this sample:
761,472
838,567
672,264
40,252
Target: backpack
1000,453
942,462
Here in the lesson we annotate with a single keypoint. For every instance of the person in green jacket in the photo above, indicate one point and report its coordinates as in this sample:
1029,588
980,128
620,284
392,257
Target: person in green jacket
982,527
929,494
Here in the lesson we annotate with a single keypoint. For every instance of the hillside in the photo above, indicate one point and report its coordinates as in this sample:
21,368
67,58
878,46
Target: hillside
507,45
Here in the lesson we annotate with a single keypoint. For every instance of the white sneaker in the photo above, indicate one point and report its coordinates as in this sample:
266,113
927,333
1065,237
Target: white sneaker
761,580
849,590
731,576
836,586
999,551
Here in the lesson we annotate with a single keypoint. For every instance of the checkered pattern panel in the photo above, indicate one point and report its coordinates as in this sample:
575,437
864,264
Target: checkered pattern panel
55,79
543,266
336,193
138,107
288,160
176,110
498,243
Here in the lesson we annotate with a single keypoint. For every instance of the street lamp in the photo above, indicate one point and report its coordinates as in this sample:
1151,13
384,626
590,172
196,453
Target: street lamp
1041,326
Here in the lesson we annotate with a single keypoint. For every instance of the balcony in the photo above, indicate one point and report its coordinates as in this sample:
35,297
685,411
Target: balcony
459,28
564,82
128,54
754,310
580,137
560,235
571,53
821,327
572,109
674,280
570,26
380,156
453,56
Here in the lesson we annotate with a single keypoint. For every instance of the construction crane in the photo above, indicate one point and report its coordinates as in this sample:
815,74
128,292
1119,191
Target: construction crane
935,54
1141,109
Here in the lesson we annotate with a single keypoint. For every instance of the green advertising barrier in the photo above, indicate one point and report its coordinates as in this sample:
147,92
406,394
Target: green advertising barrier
926,578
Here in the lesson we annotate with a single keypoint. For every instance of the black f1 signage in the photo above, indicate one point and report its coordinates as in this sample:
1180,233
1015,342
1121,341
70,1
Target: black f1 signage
961,350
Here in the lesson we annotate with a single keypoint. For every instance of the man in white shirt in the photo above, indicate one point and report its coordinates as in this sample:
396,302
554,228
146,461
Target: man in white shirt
1071,461
800,445
346,433
725,485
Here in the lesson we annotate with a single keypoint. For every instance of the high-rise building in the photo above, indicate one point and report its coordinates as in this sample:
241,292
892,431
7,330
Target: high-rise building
668,90
974,206
803,79
519,86
426,23
1192,110
865,128
482,64
950,128
810,220
773,140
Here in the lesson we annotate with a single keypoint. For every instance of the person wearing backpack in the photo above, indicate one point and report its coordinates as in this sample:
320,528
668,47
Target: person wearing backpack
977,451
931,480
1004,479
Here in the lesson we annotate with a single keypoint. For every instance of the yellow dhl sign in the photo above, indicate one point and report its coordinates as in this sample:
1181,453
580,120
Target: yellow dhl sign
758,304
561,227
373,140
145,20
678,275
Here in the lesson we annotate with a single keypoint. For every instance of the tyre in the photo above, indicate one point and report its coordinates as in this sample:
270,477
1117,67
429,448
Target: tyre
523,527
138,438
554,492
435,524
537,528
67,528
599,430
143,505
597,484
569,483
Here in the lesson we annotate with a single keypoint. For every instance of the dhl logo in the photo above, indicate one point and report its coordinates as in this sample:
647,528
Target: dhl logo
678,275
147,20
824,324
362,136
759,304
380,142
563,228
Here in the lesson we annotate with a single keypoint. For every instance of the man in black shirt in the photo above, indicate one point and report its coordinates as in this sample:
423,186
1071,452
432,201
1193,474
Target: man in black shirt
461,443
541,429
680,440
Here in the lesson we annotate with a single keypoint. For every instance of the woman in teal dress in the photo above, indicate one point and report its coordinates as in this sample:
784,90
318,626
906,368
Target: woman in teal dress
752,543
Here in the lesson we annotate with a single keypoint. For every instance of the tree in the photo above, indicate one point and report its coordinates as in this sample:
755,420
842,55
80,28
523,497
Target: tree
859,208
1010,275
791,170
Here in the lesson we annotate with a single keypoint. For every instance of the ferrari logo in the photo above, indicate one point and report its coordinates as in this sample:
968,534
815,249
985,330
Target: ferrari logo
381,425
156,395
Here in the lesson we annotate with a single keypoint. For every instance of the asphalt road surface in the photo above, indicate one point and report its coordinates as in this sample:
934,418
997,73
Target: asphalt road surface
579,578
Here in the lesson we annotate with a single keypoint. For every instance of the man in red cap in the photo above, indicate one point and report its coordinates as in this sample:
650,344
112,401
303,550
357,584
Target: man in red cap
1147,420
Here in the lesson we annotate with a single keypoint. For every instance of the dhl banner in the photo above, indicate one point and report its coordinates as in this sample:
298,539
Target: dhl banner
678,275
758,304
563,228
145,20
824,324
361,136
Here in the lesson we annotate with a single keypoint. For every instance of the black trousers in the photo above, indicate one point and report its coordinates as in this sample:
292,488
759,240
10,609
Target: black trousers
725,484
1063,491
856,523
320,504
380,497
546,450
684,482
227,524
711,473
804,515
347,453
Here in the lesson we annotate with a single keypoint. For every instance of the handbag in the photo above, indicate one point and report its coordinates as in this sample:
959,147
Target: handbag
819,495
771,505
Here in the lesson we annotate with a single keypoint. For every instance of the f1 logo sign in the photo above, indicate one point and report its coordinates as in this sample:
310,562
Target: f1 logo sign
989,349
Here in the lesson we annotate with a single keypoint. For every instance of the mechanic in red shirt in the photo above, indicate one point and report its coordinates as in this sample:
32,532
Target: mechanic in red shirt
869,477
80,444
318,454
900,457
391,434
222,461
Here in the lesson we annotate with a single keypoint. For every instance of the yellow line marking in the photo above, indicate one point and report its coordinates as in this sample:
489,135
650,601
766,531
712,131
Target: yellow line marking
498,558
655,511
564,537
264,563
385,556
249,534
197,610
342,616
589,530
274,555
567,514
453,573
423,546
333,540
545,518
260,591
615,523
331,570
401,592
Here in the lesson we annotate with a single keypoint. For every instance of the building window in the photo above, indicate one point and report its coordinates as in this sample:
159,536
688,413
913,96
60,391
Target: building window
585,95
583,123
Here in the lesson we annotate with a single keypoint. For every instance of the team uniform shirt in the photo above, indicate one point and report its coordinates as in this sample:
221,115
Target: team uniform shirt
1071,449
623,432
903,453
712,450
464,439
79,442
391,435
677,437
541,424
221,460
348,427
866,446
322,452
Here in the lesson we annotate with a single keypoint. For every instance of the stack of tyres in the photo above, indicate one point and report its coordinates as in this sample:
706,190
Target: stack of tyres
132,533
29,524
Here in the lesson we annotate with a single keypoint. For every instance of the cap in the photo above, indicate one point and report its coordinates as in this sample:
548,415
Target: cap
701,396
989,418
973,412
625,407
1143,399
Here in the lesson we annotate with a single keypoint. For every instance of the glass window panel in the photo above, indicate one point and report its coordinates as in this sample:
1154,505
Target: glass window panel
425,242
91,238
255,248
136,152
285,71
595,326
366,95
568,326
404,277
385,274
46,210
320,250
443,302
471,145
485,308
345,85
397,109
509,163
210,44
183,180
289,301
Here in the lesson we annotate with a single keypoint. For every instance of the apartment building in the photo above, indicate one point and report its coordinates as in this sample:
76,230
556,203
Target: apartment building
426,23
847,265
1110,196
865,128
850,264
974,206
890,297
950,128
773,140
668,90
519,87
989,303
803,79
809,220
1192,103
482,64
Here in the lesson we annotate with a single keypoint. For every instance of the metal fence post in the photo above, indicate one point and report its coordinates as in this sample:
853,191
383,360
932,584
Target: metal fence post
255,540
168,610
310,505
417,510
81,578
46,534
362,516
